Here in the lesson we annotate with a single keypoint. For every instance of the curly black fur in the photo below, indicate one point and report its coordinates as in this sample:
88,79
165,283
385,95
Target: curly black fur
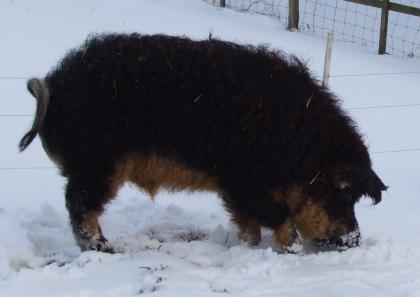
253,118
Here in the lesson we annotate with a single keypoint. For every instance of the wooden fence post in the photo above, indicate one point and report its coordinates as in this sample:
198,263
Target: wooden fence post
384,27
222,3
327,62
293,15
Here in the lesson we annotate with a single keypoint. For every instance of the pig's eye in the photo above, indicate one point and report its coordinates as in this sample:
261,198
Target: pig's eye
343,185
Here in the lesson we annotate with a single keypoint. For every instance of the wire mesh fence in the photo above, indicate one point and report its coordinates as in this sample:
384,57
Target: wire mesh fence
274,8
404,32
348,21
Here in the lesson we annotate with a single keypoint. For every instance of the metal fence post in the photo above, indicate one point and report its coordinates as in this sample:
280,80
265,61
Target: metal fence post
293,15
327,62
384,27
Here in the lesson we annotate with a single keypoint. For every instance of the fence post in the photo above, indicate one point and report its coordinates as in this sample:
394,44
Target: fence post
222,3
384,27
327,62
293,15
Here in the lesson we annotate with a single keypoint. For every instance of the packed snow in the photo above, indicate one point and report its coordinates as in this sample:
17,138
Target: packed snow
183,244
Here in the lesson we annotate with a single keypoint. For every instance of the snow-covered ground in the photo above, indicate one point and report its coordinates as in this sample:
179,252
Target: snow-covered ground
351,22
183,244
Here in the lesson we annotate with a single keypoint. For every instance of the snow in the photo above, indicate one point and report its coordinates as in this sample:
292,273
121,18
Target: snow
183,244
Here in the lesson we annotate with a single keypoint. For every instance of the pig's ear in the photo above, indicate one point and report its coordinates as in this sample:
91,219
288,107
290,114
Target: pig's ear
373,186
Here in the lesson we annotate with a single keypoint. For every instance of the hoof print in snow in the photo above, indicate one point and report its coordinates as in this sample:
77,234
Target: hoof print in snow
191,235
154,269
224,290
145,291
